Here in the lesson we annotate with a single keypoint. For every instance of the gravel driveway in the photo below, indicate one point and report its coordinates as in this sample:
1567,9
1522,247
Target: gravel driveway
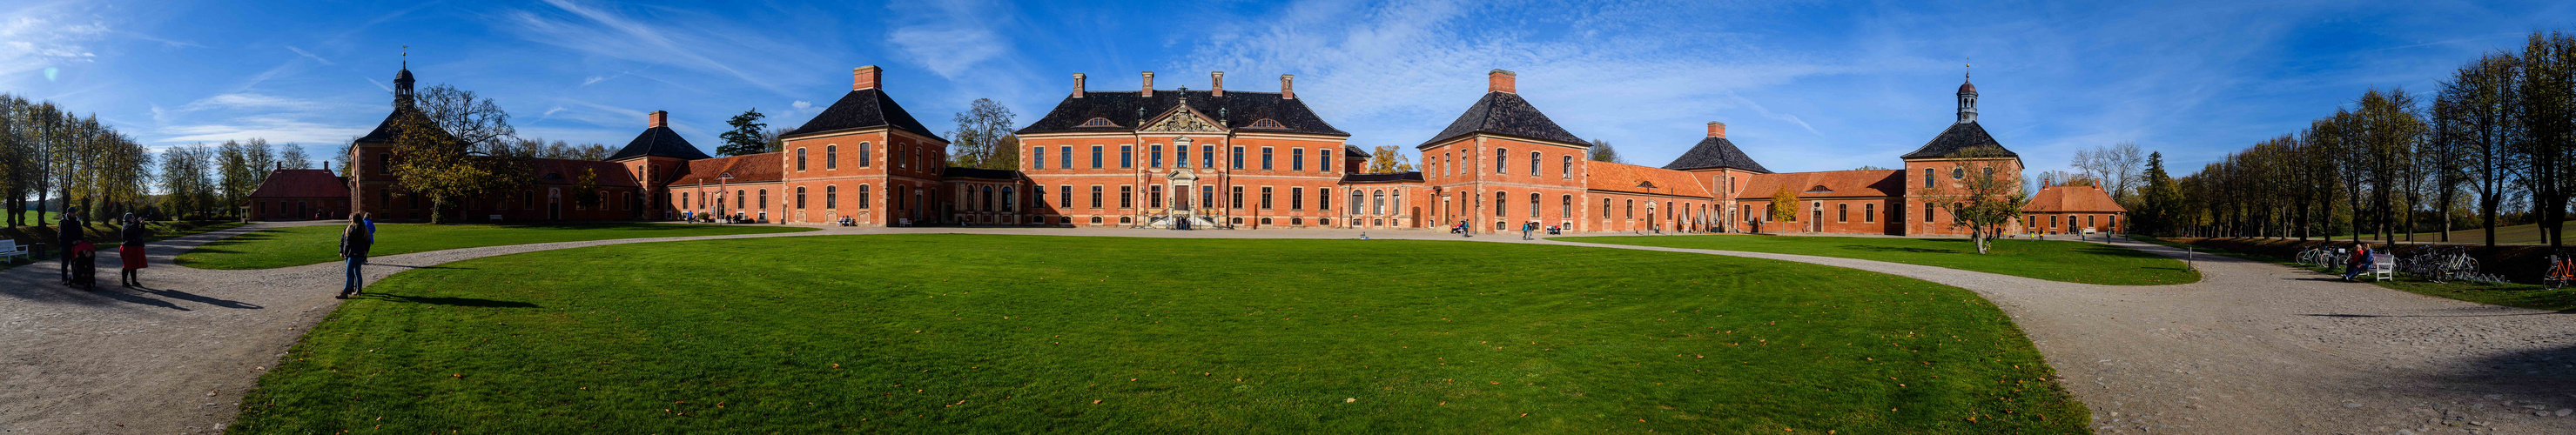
2253,348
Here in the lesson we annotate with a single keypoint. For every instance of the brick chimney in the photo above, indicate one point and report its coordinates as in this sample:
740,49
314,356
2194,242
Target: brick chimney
866,77
1077,85
1501,81
1216,83
326,165
1288,86
1716,129
657,119
1149,84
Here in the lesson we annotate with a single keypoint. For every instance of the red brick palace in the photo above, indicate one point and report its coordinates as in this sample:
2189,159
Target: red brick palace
1230,159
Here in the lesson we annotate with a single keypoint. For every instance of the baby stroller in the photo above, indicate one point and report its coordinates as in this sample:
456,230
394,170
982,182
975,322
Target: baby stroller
84,265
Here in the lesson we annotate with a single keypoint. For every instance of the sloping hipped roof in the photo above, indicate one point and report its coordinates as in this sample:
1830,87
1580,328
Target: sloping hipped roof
1715,152
864,108
1965,139
302,183
1620,177
1504,113
658,142
1243,111
748,168
550,172
1836,184
2072,199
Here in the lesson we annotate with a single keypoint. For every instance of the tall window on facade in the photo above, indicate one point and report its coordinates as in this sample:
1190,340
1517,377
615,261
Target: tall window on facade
1064,157
1040,153
1928,182
1207,157
1377,202
1566,209
800,159
1296,198
1534,158
1501,205
1126,196
1126,156
831,157
1927,211
902,156
1265,194
1265,158
1358,206
1628,209
1395,201
831,196
1533,208
1842,212
1567,170
764,199
738,199
864,200
1324,198
1869,212
800,198
1324,160
1238,164
1095,157
866,155
1238,195
1064,195
1207,196
1180,158
1296,159
1154,196
1155,157
1095,196
1009,203
1501,166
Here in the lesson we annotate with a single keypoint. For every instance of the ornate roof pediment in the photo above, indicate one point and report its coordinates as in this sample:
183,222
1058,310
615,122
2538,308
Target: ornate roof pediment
1183,119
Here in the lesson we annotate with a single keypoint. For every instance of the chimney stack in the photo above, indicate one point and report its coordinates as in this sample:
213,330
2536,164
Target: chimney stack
1077,85
1216,83
326,165
1288,86
1717,129
866,77
1149,84
1501,81
657,119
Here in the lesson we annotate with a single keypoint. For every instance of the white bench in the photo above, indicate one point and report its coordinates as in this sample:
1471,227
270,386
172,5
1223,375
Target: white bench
2383,267
11,248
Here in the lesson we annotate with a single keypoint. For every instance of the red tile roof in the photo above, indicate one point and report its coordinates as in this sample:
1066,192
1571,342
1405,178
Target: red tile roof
2072,199
567,172
1618,177
750,168
1834,184
302,183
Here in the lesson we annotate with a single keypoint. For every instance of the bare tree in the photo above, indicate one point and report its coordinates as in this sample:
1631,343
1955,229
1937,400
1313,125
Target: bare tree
983,137
1602,152
2485,99
2547,118
1986,197
2116,166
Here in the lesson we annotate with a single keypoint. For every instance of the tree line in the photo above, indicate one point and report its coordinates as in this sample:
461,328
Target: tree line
2495,145
54,156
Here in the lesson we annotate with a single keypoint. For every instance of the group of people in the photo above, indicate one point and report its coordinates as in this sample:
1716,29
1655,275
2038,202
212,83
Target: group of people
78,250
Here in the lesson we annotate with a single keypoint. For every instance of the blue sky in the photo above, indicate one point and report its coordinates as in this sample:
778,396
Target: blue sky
1802,85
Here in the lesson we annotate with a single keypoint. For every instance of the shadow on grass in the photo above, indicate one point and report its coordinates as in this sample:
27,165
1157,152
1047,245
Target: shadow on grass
1857,247
455,302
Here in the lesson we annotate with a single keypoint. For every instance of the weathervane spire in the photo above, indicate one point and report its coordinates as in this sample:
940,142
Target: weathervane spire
1968,68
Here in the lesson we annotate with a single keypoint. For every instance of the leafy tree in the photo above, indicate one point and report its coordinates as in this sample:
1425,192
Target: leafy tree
455,150
1986,198
2157,200
1784,205
1871,168
2546,150
1388,159
983,137
1602,152
746,137
2484,99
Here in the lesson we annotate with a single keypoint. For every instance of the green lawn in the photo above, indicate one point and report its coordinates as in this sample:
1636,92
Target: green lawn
1022,334
297,246
2054,260
2507,294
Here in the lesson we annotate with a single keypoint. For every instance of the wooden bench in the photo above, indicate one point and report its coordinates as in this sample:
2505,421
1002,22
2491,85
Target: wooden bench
11,248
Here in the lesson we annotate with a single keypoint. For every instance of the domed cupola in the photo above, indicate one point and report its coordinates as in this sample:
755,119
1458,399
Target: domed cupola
1967,101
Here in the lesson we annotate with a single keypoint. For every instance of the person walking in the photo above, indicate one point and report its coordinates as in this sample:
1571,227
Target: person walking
1527,228
132,251
370,219
354,241
68,233
2360,261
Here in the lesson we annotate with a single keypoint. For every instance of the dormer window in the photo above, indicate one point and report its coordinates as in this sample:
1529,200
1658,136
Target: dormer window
1099,122
1818,188
1267,123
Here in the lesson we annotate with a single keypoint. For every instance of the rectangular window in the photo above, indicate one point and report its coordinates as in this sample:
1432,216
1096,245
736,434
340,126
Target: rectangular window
1126,156
1324,160
1040,161
1207,156
1095,157
1296,159
1238,197
1126,196
1869,212
1265,197
1095,196
1064,195
1265,158
1928,182
1207,196
1324,199
1927,207
1238,157
1842,212
1154,196
1156,158
1296,198
1064,157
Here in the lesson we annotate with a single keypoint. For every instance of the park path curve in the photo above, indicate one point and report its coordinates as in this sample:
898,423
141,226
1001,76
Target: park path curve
2252,348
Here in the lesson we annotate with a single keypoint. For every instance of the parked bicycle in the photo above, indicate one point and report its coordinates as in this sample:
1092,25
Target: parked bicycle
2562,270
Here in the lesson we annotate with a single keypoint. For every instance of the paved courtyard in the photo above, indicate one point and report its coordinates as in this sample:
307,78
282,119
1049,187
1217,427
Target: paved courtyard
2253,348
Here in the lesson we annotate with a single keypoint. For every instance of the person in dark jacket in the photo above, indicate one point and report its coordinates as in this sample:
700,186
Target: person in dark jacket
132,251
69,234
354,241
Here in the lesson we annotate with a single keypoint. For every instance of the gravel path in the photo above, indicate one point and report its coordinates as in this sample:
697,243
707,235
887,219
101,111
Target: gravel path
2254,348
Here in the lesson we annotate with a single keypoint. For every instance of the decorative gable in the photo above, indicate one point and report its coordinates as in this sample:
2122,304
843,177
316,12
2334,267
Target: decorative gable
1182,119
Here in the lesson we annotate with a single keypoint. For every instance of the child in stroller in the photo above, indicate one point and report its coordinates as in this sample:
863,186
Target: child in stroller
84,265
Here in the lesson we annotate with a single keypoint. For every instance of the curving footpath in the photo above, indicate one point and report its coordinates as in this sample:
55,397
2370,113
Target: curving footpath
2253,348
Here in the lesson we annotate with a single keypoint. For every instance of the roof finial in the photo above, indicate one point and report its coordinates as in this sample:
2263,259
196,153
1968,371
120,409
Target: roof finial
406,57
1969,68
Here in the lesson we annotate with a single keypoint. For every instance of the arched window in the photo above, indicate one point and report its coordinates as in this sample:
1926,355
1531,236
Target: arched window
1928,183
1008,203
1378,203
1359,202
800,159
800,197
764,199
1533,208
864,201
737,198
1534,156
1395,202
1842,212
1605,208
1869,212
1568,170
1502,204
866,155
831,197
831,157
1630,210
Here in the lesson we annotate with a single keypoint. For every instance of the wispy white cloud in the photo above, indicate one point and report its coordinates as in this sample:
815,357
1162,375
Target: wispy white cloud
950,37
708,44
271,127
309,55
37,37
249,101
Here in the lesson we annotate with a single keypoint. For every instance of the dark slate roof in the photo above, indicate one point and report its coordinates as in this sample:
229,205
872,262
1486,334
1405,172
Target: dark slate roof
1240,108
1391,177
1354,151
988,174
302,183
863,108
386,131
1961,138
1504,113
661,142
1715,152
